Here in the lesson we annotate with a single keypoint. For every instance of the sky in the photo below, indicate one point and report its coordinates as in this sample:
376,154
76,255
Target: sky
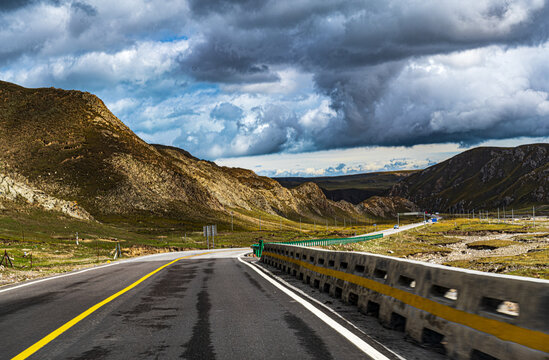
301,87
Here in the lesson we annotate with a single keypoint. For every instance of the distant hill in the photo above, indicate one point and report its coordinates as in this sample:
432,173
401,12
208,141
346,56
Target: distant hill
482,178
352,188
65,151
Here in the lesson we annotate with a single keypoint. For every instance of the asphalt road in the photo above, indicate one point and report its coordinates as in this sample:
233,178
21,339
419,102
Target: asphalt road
211,306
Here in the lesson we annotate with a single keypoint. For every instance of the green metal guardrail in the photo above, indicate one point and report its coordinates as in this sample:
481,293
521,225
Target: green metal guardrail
258,248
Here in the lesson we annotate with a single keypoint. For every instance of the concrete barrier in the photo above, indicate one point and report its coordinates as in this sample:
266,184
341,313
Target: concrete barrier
464,313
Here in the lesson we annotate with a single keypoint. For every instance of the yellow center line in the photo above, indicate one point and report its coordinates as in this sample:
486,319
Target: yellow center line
48,338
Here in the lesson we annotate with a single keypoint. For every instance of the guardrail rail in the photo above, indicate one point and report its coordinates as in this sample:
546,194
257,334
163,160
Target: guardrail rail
258,248
463,313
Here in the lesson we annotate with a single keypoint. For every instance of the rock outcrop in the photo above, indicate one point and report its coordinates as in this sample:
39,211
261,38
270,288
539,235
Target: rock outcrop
385,207
13,190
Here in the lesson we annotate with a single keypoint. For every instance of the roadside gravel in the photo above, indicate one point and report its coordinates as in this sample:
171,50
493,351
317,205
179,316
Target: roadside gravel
460,251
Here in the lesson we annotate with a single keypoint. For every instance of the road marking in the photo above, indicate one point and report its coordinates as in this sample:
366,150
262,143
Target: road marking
355,340
327,308
96,268
51,336
57,277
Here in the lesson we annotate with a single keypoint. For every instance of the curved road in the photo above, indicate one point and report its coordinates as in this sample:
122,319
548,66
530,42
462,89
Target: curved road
207,305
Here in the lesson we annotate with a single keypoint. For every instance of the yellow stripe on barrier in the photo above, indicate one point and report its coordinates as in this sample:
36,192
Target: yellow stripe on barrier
51,336
502,330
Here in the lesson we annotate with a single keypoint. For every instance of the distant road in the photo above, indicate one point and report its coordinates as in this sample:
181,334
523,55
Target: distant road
394,231
207,305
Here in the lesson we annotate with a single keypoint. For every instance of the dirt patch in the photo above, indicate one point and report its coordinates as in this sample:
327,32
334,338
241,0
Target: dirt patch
489,244
465,250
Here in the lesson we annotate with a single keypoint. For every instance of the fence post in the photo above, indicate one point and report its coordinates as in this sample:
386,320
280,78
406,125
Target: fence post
6,258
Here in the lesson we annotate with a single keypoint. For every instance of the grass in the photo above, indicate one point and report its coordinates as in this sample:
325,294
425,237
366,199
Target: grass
412,242
532,264
530,238
49,238
437,239
434,239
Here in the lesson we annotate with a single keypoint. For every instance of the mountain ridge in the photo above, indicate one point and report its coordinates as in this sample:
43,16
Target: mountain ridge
354,188
483,177
68,145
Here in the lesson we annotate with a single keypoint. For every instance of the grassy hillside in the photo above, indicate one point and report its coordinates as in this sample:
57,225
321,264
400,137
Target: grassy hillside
68,145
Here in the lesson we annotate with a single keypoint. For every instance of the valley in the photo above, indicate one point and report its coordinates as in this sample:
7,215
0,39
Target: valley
68,166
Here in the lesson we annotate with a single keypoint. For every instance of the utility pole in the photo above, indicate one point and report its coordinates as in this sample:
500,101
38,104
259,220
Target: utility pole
534,215
232,227
498,215
398,220
512,215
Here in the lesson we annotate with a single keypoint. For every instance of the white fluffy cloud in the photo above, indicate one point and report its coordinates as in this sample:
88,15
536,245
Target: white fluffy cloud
291,76
137,64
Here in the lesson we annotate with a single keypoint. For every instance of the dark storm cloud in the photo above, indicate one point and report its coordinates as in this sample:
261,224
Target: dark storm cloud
357,51
337,74
82,15
8,5
11,5
343,35
201,8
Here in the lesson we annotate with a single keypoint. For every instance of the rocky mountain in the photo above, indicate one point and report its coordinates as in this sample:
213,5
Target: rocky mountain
482,178
351,188
65,147
387,206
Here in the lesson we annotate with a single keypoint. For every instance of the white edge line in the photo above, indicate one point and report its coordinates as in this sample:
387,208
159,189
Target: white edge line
57,277
355,340
319,303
